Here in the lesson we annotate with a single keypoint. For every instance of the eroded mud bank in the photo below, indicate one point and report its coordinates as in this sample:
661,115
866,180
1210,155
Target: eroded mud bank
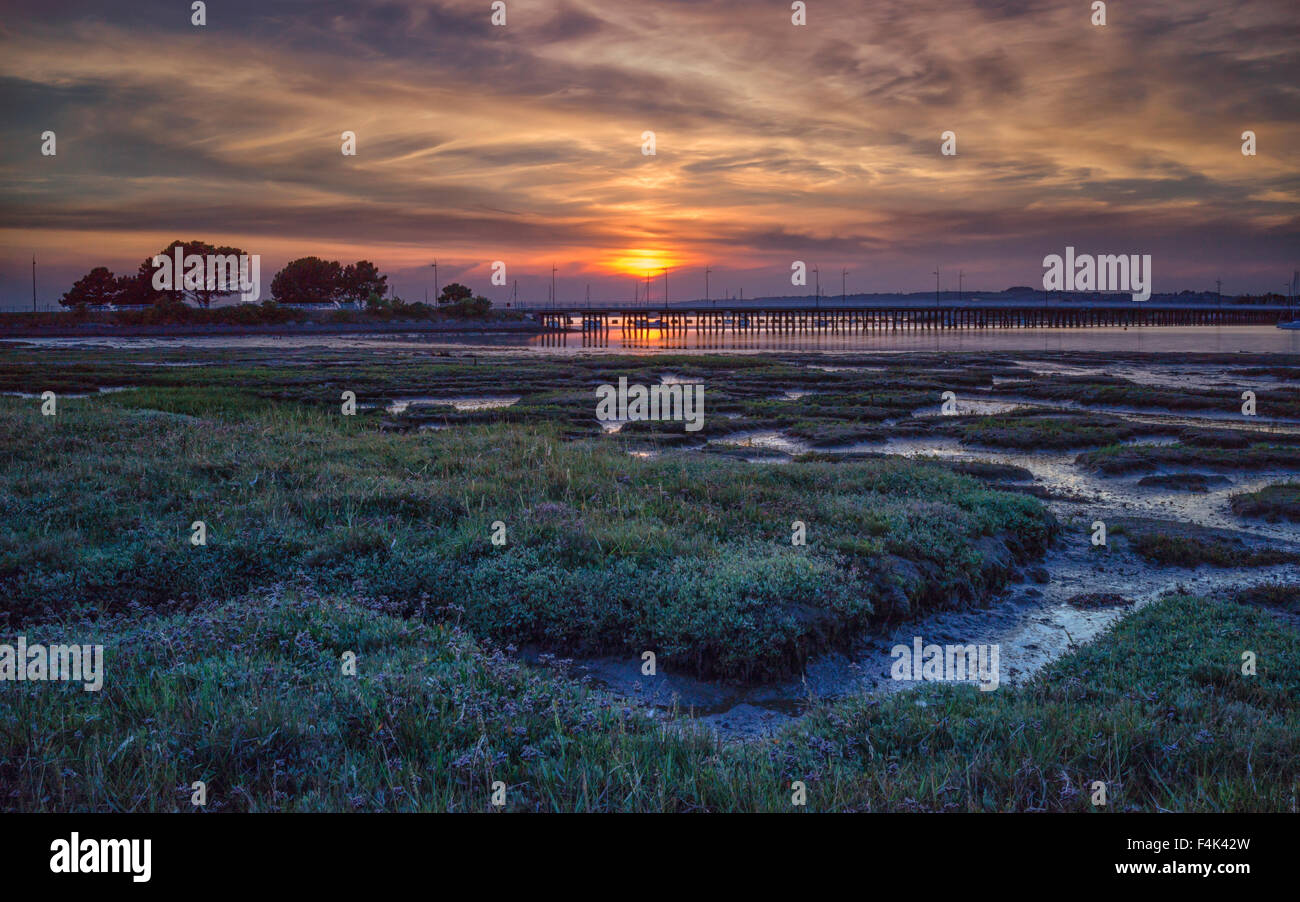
1078,591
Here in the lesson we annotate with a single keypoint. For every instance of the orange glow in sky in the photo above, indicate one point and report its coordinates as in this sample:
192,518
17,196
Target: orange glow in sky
774,143
640,261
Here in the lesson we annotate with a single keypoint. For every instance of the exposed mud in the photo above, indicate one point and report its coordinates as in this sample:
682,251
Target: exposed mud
1078,591
1032,623
401,405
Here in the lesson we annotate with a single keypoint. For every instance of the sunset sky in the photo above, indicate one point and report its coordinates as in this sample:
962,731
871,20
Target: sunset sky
774,142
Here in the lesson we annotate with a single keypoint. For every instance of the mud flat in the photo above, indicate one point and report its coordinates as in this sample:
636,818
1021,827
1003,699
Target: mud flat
1208,522
98,332
522,661
1034,622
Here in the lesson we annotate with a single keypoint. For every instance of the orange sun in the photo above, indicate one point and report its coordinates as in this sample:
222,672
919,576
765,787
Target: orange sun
640,261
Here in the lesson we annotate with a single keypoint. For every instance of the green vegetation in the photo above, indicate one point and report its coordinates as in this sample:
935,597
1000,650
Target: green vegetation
1272,595
1113,391
372,534
1117,460
1187,482
1180,547
688,556
1029,429
249,697
1279,501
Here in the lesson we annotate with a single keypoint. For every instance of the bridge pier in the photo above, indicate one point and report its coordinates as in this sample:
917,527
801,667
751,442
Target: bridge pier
912,319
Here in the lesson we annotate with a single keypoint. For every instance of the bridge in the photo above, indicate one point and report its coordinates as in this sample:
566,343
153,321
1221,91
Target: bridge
841,319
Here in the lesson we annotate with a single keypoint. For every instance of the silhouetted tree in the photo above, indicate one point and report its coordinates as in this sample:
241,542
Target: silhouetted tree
471,308
308,280
202,296
97,288
137,291
454,293
360,280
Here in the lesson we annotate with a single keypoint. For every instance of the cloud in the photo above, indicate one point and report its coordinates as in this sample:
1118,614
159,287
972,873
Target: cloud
524,142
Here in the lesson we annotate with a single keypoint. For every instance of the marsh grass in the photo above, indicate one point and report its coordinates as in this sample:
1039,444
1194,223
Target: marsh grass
1117,460
1282,596
1182,549
1031,429
1279,501
685,555
365,534
1114,391
249,696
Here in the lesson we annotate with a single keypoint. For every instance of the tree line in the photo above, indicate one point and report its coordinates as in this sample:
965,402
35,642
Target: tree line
307,280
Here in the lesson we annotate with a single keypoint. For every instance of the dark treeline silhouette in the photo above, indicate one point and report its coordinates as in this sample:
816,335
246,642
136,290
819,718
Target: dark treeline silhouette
101,288
311,280
306,281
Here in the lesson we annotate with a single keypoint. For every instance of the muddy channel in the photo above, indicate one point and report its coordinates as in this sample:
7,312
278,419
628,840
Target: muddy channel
1032,620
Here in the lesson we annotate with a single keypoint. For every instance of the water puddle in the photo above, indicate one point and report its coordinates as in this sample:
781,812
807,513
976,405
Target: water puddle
1219,419
967,407
401,405
1032,621
102,390
1192,377
1114,496
166,363
767,440
1031,625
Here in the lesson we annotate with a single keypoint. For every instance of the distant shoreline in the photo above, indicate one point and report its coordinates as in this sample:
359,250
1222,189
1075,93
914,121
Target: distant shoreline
198,330
18,325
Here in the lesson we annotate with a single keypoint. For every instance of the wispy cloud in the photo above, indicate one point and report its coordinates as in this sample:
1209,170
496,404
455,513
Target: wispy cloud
523,143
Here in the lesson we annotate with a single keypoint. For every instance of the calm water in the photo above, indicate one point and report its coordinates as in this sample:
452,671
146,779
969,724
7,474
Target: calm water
1176,339
1184,339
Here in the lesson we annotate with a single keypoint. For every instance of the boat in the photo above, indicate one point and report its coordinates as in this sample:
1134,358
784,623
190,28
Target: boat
1294,324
